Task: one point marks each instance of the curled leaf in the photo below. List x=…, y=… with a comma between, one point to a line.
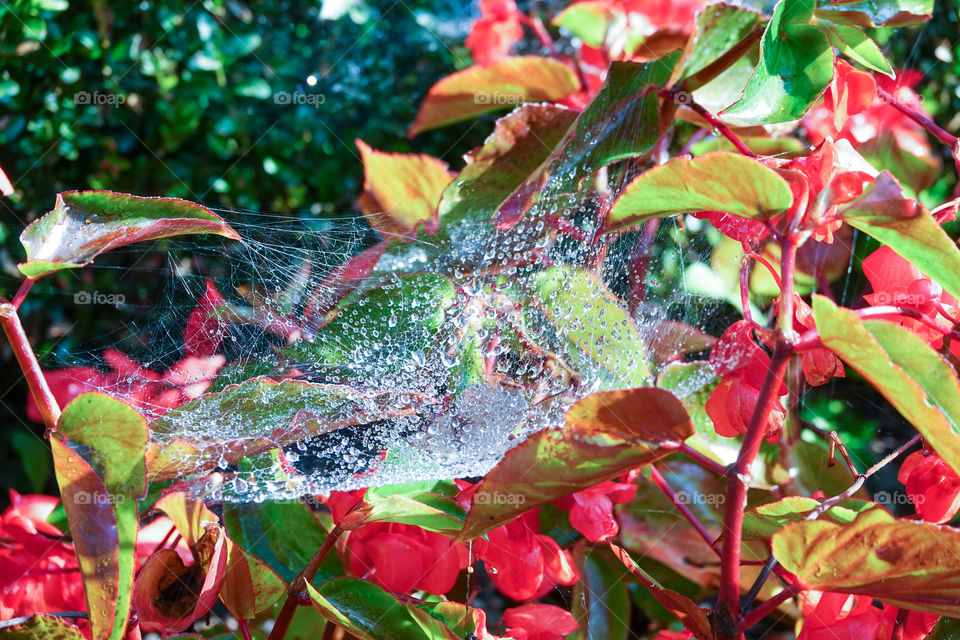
x=84, y=224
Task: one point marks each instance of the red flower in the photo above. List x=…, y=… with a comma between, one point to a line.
x=38, y=571
x=539, y=622
x=819, y=365
x=828, y=616
x=495, y=32
x=896, y=281
x=591, y=510
x=851, y=91
x=932, y=486
x=820, y=187
x=403, y=557
x=524, y=564
x=341, y=502
x=743, y=365
x=865, y=125
x=143, y=389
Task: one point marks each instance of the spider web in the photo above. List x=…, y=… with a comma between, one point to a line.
x=446, y=356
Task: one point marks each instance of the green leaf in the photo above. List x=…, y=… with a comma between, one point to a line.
x=370, y=613
x=856, y=45
x=399, y=318
x=760, y=523
x=284, y=534
x=913, y=377
x=519, y=143
x=104, y=530
x=605, y=435
x=719, y=26
x=401, y=191
x=621, y=121
x=796, y=65
x=906, y=227
x=114, y=437
x=261, y=415
x=101, y=472
x=506, y=83
x=84, y=224
x=601, y=603
x=589, y=21
x=695, y=619
x=717, y=181
x=908, y=564
x=597, y=333
x=876, y=13
x=430, y=511
x=40, y=627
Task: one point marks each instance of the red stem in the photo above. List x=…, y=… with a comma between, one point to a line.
x=728, y=600
x=22, y=292
x=922, y=119
x=702, y=460
x=675, y=94
x=37, y=383
x=769, y=606
x=681, y=506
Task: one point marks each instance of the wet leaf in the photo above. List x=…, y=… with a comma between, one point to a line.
x=466, y=94
x=599, y=335
x=718, y=27
x=247, y=411
x=370, y=613
x=908, y=564
x=874, y=13
x=84, y=224
x=400, y=318
x=606, y=434
x=796, y=65
x=913, y=377
x=42, y=627
x=588, y=20
x=694, y=618
x=717, y=181
x=401, y=191
x=622, y=120
x=519, y=143
x=905, y=226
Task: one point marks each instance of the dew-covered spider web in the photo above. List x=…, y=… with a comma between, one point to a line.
x=347, y=357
